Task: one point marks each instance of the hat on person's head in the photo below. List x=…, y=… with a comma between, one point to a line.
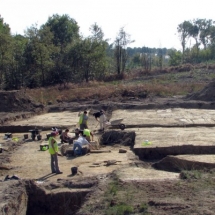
x=54, y=133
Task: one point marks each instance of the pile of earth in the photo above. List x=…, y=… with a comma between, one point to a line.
x=118, y=137
x=18, y=101
x=7, y=148
x=207, y=94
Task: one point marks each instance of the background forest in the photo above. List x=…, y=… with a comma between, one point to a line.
x=56, y=53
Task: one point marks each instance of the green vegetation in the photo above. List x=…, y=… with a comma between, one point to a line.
x=194, y=174
x=57, y=54
x=194, y=194
x=120, y=201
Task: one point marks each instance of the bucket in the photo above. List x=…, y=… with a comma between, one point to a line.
x=74, y=170
x=25, y=136
x=44, y=147
x=39, y=137
x=8, y=135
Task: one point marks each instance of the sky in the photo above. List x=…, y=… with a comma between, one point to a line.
x=151, y=23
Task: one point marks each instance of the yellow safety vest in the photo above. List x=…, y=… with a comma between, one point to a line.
x=51, y=150
x=87, y=132
x=81, y=118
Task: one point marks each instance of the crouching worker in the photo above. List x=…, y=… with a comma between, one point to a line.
x=88, y=134
x=81, y=141
x=65, y=137
x=53, y=150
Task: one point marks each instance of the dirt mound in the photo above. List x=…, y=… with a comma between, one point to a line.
x=119, y=137
x=14, y=200
x=207, y=94
x=17, y=101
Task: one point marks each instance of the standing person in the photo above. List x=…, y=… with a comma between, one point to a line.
x=83, y=118
x=81, y=141
x=88, y=134
x=53, y=150
x=101, y=118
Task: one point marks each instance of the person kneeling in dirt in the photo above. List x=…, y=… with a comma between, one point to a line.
x=81, y=141
x=65, y=137
x=53, y=150
x=101, y=118
x=88, y=134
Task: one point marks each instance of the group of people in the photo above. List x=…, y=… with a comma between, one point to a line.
x=99, y=116
x=82, y=137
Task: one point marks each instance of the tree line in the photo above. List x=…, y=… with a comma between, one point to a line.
x=197, y=39
x=56, y=53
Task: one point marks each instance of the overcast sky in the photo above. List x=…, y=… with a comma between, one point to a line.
x=151, y=23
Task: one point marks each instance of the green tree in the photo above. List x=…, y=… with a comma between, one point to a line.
x=175, y=57
x=64, y=28
x=204, y=28
x=121, y=42
x=88, y=56
x=66, y=33
x=184, y=30
x=5, y=50
x=15, y=77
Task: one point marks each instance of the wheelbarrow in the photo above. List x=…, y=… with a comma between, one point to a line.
x=116, y=124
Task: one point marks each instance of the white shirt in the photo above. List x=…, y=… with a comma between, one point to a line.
x=81, y=141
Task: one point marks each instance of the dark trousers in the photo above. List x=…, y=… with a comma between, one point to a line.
x=54, y=164
x=83, y=126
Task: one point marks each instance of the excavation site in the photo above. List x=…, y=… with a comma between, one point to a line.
x=146, y=151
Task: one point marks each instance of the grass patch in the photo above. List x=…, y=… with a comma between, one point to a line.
x=121, y=209
x=140, y=85
x=53, y=95
x=193, y=174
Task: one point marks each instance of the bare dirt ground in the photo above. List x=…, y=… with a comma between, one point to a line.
x=128, y=186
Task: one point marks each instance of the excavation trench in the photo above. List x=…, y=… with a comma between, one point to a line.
x=53, y=198
x=25, y=128
x=161, y=152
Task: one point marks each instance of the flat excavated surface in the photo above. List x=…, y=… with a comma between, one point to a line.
x=29, y=162
x=173, y=116
x=66, y=118
x=163, y=137
x=142, y=174
x=176, y=116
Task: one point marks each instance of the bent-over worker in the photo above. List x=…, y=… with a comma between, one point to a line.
x=88, y=134
x=101, y=118
x=81, y=141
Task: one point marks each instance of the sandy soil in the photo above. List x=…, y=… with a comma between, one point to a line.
x=163, y=192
